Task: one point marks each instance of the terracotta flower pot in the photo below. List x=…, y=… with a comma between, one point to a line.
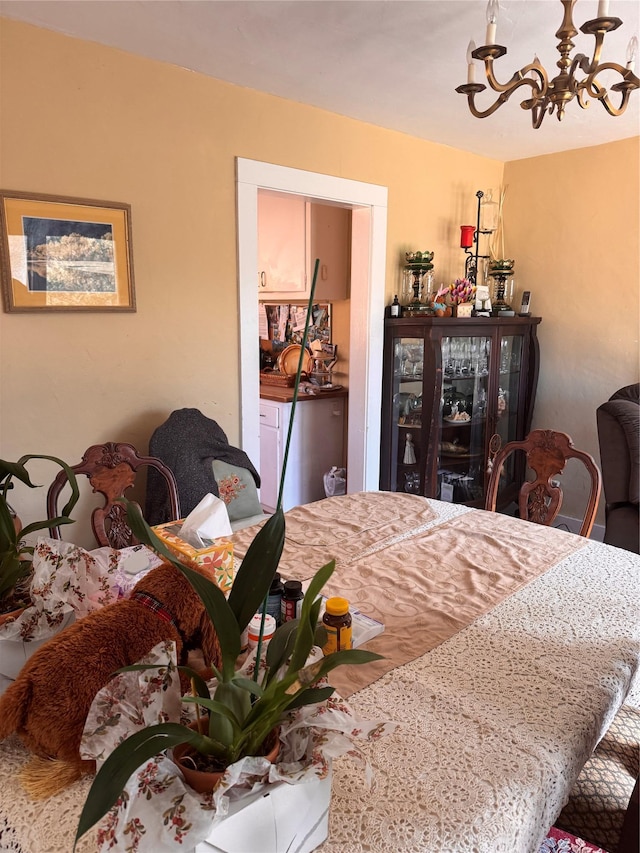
x=204, y=781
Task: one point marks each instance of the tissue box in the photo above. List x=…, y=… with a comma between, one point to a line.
x=276, y=819
x=217, y=555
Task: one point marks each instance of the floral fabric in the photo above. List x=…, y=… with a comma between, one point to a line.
x=67, y=579
x=157, y=811
x=559, y=841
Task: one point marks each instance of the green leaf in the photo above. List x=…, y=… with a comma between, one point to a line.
x=306, y=632
x=247, y=684
x=71, y=477
x=280, y=648
x=17, y=470
x=216, y=708
x=310, y=696
x=346, y=656
x=253, y=578
x=125, y=759
x=196, y=680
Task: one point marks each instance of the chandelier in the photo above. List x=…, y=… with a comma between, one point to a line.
x=547, y=95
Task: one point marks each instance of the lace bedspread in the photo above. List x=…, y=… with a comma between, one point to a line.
x=495, y=723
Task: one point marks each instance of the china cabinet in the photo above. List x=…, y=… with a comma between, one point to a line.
x=454, y=391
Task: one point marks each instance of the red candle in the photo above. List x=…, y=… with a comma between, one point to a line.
x=466, y=236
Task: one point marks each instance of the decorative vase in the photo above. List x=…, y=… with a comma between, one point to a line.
x=204, y=781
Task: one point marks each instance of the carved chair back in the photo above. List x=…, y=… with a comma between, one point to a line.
x=540, y=500
x=112, y=470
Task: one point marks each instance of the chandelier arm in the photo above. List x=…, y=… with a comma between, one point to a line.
x=598, y=28
x=582, y=62
x=597, y=50
x=471, y=96
x=518, y=79
x=539, y=110
x=628, y=77
x=595, y=90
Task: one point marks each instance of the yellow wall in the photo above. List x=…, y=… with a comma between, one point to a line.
x=572, y=223
x=78, y=119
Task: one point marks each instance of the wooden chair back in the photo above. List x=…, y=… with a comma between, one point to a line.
x=112, y=470
x=547, y=453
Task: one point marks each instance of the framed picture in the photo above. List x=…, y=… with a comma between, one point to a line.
x=65, y=254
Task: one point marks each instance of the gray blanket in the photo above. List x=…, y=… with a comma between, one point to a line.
x=188, y=442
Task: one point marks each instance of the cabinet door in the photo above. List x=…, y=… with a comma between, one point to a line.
x=270, y=455
x=462, y=421
x=508, y=417
x=406, y=446
x=281, y=245
x=331, y=245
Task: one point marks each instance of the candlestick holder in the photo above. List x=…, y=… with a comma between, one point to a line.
x=472, y=251
x=500, y=271
x=419, y=266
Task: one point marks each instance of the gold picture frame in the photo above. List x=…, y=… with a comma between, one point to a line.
x=65, y=254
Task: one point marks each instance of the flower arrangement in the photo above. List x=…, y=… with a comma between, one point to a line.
x=461, y=291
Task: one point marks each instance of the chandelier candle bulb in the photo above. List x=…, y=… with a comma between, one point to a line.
x=492, y=21
x=603, y=8
x=471, y=68
x=632, y=52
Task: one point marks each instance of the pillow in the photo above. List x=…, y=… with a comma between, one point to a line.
x=237, y=489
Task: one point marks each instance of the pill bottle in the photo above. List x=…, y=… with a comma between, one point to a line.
x=274, y=599
x=291, y=600
x=253, y=631
x=337, y=621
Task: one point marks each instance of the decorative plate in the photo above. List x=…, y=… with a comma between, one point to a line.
x=289, y=358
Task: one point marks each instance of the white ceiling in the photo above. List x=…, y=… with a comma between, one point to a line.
x=393, y=63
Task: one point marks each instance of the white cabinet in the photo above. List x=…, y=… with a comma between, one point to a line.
x=292, y=233
x=282, y=245
x=317, y=443
x=330, y=242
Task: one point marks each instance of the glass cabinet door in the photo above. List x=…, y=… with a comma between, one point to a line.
x=464, y=407
x=507, y=404
x=406, y=430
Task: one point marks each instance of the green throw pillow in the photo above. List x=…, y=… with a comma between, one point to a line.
x=237, y=489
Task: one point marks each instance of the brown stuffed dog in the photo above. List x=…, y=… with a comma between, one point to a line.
x=48, y=703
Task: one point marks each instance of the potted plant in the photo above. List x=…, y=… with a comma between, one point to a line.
x=15, y=553
x=242, y=712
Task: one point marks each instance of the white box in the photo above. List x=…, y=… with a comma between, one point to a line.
x=280, y=818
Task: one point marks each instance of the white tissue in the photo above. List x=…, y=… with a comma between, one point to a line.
x=209, y=520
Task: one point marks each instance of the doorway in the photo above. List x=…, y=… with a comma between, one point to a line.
x=368, y=203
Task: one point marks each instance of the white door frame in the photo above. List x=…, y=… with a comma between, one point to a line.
x=369, y=236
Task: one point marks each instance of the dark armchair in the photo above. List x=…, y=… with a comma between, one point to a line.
x=619, y=437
